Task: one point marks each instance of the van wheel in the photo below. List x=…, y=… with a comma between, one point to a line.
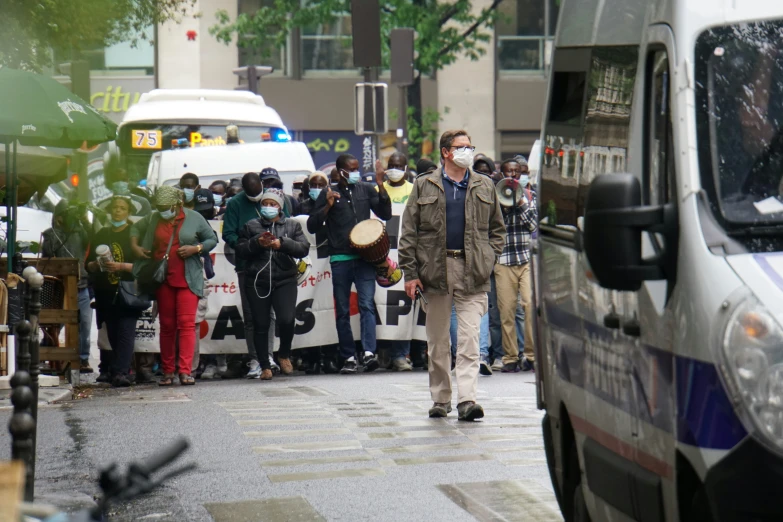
x=575, y=506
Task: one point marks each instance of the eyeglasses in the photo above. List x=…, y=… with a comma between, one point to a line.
x=464, y=149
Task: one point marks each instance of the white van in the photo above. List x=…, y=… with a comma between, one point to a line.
x=658, y=274
x=230, y=161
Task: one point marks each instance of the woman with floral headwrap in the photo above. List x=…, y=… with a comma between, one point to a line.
x=189, y=235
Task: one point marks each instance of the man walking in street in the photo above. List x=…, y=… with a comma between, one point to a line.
x=456, y=208
x=512, y=274
x=339, y=209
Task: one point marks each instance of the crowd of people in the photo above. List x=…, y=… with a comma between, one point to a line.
x=463, y=253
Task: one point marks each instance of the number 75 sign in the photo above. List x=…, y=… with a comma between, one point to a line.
x=146, y=139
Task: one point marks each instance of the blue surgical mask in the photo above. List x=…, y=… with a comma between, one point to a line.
x=218, y=199
x=314, y=193
x=524, y=180
x=189, y=193
x=354, y=177
x=118, y=224
x=167, y=214
x=119, y=187
x=270, y=212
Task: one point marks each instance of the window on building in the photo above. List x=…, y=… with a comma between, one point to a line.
x=268, y=55
x=124, y=58
x=328, y=46
x=523, y=33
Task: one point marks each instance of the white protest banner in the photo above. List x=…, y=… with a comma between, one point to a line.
x=223, y=330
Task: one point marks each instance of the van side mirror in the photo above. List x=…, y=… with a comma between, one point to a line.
x=614, y=222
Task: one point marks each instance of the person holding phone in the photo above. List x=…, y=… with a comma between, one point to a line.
x=269, y=246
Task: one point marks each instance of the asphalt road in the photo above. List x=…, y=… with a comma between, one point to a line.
x=355, y=447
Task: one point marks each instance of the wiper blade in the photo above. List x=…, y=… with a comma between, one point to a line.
x=760, y=230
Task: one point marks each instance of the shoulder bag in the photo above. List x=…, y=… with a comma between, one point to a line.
x=130, y=297
x=153, y=273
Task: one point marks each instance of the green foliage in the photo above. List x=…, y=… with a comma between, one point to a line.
x=418, y=133
x=33, y=28
x=551, y=213
x=445, y=29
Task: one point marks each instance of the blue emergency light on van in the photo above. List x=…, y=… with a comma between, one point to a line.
x=280, y=135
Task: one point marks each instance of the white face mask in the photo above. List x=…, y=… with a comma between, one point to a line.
x=395, y=175
x=255, y=199
x=463, y=158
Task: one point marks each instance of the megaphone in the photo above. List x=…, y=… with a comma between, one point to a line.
x=509, y=192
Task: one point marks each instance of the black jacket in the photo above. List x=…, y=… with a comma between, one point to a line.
x=354, y=205
x=293, y=245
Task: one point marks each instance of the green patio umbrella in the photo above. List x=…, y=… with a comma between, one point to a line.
x=38, y=110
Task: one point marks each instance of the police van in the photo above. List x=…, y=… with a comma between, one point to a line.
x=658, y=270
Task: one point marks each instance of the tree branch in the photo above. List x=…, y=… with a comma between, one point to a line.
x=470, y=30
x=448, y=14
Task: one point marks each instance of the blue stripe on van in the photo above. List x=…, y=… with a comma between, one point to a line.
x=704, y=414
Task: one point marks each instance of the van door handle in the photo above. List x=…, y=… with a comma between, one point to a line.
x=612, y=320
x=632, y=328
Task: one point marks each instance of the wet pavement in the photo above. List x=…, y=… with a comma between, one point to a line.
x=302, y=448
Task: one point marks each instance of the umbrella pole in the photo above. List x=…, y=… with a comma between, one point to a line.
x=11, y=213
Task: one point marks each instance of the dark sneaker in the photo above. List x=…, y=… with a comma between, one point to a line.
x=510, y=368
x=453, y=363
x=120, y=381
x=469, y=411
x=484, y=368
x=439, y=410
x=370, y=362
x=85, y=367
x=401, y=364
x=528, y=365
x=349, y=366
x=103, y=377
x=144, y=376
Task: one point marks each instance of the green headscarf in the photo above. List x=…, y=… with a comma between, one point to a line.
x=168, y=196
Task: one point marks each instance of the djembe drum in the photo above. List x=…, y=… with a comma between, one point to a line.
x=370, y=240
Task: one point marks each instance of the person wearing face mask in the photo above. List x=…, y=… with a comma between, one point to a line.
x=218, y=189
x=243, y=208
x=512, y=274
x=397, y=185
x=189, y=235
x=270, y=246
x=189, y=184
x=338, y=209
x=315, y=183
x=120, y=321
x=270, y=178
x=120, y=186
x=452, y=235
x=68, y=238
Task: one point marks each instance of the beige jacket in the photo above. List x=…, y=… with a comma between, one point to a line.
x=422, y=245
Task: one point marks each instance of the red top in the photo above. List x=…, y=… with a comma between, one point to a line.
x=163, y=233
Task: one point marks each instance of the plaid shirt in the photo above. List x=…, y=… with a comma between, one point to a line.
x=521, y=222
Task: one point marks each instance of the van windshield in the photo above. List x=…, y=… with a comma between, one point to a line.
x=739, y=109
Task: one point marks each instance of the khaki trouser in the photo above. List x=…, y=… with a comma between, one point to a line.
x=513, y=285
x=470, y=309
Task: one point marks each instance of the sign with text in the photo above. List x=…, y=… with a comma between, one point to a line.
x=396, y=318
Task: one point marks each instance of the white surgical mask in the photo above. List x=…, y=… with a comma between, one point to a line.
x=463, y=158
x=167, y=214
x=189, y=193
x=218, y=198
x=395, y=175
x=353, y=177
x=255, y=199
x=524, y=180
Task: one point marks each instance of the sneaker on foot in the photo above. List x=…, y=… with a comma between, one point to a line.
x=273, y=364
x=222, y=364
x=144, y=376
x=439, y=410
x=103, y=377
x=510, y=368
x=349, y=366
x=120, y=381
x=484, y=368
x=266, y=375
x=528, y=365
x=469, y=411
x=85, y=367
x=498, y=364
x=370, y=362
x=401, y=364
x=286, y=367
x=209, y=372
x=255, y=370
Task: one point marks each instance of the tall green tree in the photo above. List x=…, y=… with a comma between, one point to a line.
x=445, y=30
x=32, y=29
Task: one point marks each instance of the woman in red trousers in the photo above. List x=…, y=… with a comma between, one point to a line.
x=183, y=235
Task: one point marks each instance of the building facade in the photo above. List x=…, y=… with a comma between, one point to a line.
x=499, y=98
